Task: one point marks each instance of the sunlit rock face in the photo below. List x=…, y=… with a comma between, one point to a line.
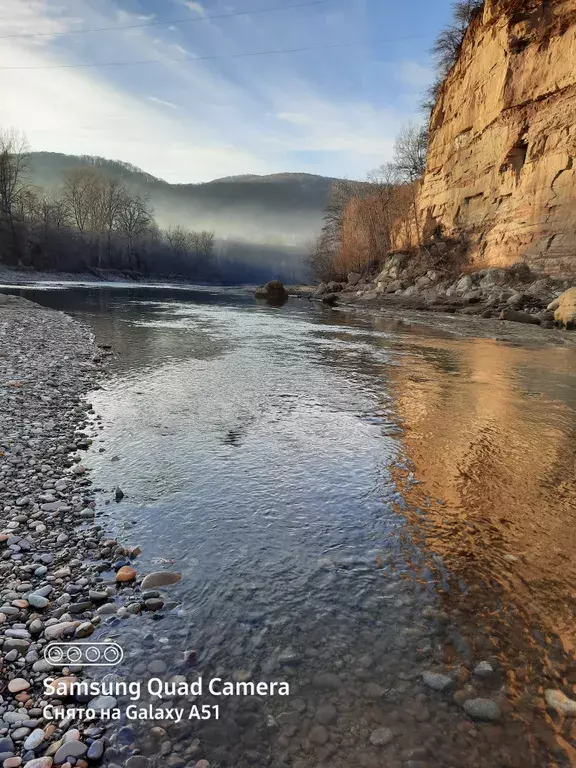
x=502, y=158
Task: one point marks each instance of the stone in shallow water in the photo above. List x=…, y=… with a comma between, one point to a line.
x=482, y=709
x=560, y=702
x=437, y=681
x=326, y=714
x=484, y=669
x=160, y=579
x=137, y=761
x=318, y=735
x=381, y=736
x=102, y=702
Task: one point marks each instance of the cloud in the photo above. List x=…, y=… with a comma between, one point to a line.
x=196, y=6
x=206, y=118
x=296, y=118
x=162, y=102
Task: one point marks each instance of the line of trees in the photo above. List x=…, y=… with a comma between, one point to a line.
x=91, y=222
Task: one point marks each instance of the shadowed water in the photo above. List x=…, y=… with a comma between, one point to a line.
x=351, y=502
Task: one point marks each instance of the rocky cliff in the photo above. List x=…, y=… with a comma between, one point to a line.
x=502, y=157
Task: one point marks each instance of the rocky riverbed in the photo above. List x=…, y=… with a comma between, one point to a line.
x=52, y=551
x=383, y=665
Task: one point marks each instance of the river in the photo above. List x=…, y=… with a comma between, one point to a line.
x=352, y=502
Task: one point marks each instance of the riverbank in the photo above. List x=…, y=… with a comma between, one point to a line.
x=52, y=550
x=399, y=317
x=18, y=277
x=506, y=304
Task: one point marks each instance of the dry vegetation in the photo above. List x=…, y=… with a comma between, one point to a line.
x=365, y=221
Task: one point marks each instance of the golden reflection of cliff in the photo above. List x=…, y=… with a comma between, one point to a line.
x=490, y=432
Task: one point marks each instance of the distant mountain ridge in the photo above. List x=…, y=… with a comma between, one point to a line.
x=283, y=208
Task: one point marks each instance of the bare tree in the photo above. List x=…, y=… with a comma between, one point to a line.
x=410, y=150
x=14, y=167
x=134, y=221
x=448, y=44
x=79, y=196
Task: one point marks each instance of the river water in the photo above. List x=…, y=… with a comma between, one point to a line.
x=351, y=502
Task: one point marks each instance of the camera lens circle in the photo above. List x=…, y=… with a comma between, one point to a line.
x=74, y=654
x=111, y=654
x=92, y=654
x=54, y=654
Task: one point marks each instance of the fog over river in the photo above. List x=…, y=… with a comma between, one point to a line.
x=352, y=503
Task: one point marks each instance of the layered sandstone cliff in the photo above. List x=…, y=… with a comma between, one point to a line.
x=502, y=157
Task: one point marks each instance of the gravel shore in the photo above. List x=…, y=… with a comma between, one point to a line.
x=52, y=553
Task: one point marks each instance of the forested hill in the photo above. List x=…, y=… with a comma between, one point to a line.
x=283, y=209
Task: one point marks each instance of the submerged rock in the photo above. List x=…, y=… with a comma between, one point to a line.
x=437, y=681
x=160, y=579
x=560, y=702
x=482, y=709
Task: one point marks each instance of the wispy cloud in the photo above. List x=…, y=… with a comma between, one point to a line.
x=314, y=112
x=195, y=6
x=162, y=102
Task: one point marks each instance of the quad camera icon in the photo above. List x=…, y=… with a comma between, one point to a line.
x=83, y=654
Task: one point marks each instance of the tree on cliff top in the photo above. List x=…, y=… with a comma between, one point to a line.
x=448, y=45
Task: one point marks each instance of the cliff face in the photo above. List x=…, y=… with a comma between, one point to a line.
x=502, y=157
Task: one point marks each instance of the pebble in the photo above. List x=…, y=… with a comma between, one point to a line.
x=381, y=736
x=437, y=681
x=95, y=750
x=126, y=573
x=34, y=739
x=73, y=749
x=483, y=669
x=18, y=684
x=482, y=709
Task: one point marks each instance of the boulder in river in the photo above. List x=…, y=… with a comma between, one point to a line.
x=273, y=291
x=160, y=579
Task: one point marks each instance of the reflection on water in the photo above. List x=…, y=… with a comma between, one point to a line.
x=351, y=502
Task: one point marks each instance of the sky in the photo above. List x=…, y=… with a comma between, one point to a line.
x=197, y=107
